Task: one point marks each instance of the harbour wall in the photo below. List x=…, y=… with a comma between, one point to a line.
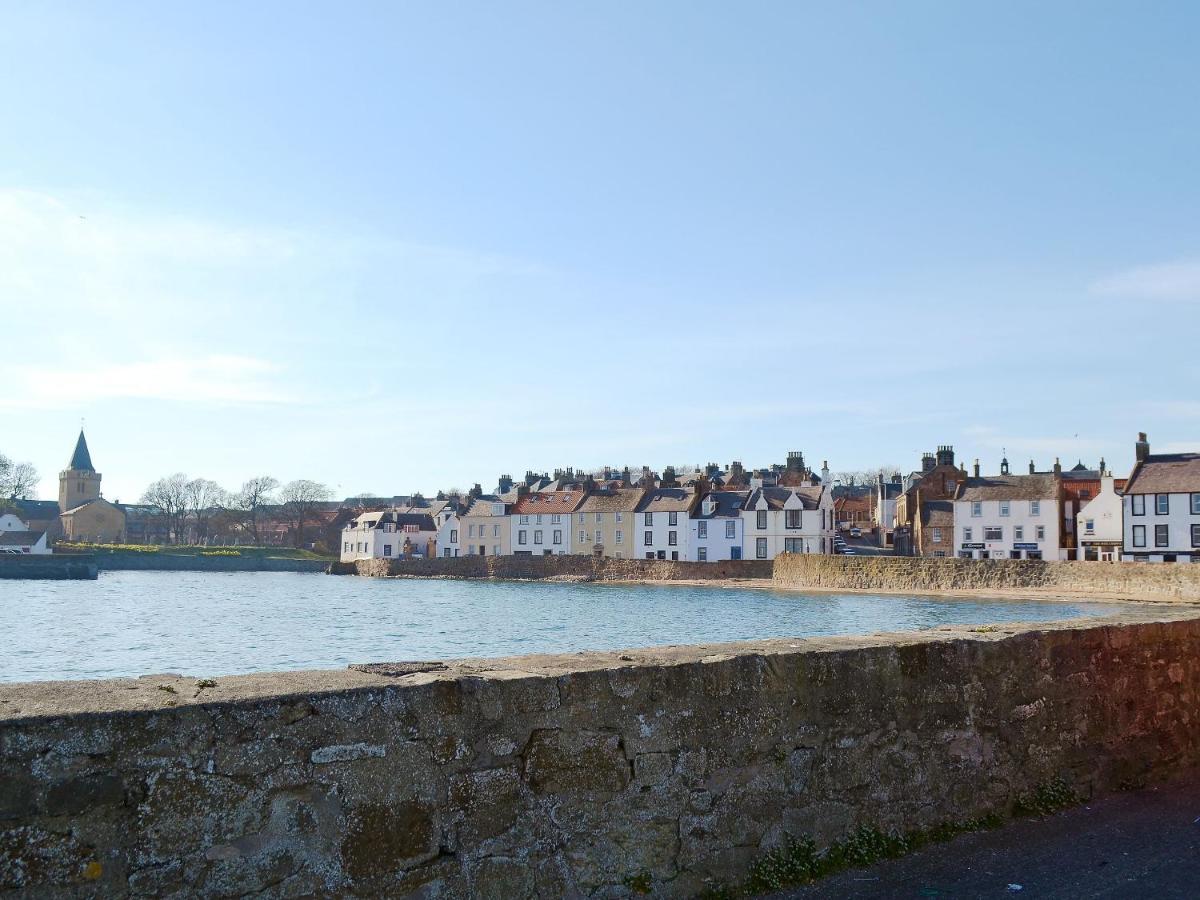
x=48, y=566
x=565, y=566
x=668, y=770
x=1169, y=582
x=165, y=561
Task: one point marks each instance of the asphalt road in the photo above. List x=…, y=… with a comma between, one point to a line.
x=1142, y=844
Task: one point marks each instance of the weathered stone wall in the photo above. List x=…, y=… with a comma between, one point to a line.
x=190, y=562
x=1139, y=581
x=48, y=566
x=570, y=776
x=578, y=567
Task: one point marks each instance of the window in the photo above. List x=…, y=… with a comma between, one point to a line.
x=582, y=518
x=701, y=529
x=1085, y=494
x=937, y=535
x=993, y=533
x=762, y=520
x=951, y=485
x=470, y=531
x=649, y=519
x=1139, y=504
x=524, y=520
x=495, y=531
x=522, y=536
x=537, y=520
x=537, y=537
x=582, y=536
x=495, y=549
x=599, y=537
x=939, y=552
x=649, y=542
x=1004, y=507
x=619, y=536
x=618, y=516
x=557, y=535
x=1162, y=504
x=1089, y=526
x=1018, y=532
x=702, y=554
x=791, y=518
x=760, y=548
x=555, y=519
x=1162, y=535
x=967, y=533
x=672, y=538
x=1196, y=535
x=976, y=508
x=387, y=549
x=1139, y=535
x=346, y=547
x=454, y=535
x=1041, y=532
x=672, y=518
x=731, y=530
x=793, y=545
x=599, y=518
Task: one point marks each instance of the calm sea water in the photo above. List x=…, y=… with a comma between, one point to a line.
x=135, y=623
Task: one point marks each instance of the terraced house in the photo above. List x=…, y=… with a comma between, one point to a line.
x=388, y=534
x=1162, y=507
x=662, y=522
x=777, y=519
x=540, y=523
x=1008, y=516
x=605, y=523
x=483, y=529
x=717, y=527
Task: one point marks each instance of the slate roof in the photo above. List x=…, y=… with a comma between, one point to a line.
x=1007, y=487
x=482, y=506
x=1166, y=473
x=939, y=513
x=552, y=502
x=20, y=538
x=37, y=510
x=617, y=500
x=666, y=500
x=776, y=497
x=81, y=459
x=423, y=521
x=729, y=504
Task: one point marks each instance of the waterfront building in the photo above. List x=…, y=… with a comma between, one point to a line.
x=1161, y=507
x=24, y=542
x=1008, y=516
x=606, y=519
x=1100, y=525
x=779, y=520
x=884, y=509
x=84, y=513
x=661, y=520
x=717, y=527
x=937, y=480
x=484, y=528
x=540, y=524
x=389, y=535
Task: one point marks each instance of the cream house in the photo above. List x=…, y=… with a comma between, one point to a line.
x=484, y=529
x=604, y=523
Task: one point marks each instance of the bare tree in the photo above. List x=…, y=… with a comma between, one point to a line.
x=204, y=499
x=863, y=477
x=300, y=501
x=250, y=500
x=170, y=494
x=18, y=481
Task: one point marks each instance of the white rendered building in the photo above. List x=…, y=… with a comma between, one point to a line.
x=716, y=527
x=1161, y=507
x=1007, y=517
x=778, y=519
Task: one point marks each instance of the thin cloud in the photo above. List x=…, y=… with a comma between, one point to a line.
x=1167, y=281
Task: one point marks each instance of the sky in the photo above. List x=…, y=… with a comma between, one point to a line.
x=397, y=247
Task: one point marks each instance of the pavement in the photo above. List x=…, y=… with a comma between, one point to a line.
x=1140, y=844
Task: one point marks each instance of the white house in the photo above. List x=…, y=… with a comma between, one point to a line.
x=662, y=523
x=1099, y=524
x=1161, y=507
x=24, y=542
x=777, y=519
x=884, y=513
x=540, y=524
x=10, y=522
x=716, y=527
x=1008, y=517
x=388, y=535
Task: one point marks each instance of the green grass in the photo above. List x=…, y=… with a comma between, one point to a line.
x=192, y=550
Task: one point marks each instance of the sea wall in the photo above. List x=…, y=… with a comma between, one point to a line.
x=48, y=566
x=1179, y=582
x=666, y=770
x=165, y=561
x=566, y=566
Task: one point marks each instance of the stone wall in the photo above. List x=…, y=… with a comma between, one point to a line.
x=574, y=567
x=118, y=560
x=48, y=566
x=591, y=774
x=1178, y=582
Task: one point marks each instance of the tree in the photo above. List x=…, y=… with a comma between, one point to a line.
x=300, y=499
x=254, y=495
x=204, y=499
x=17, y=480
x=170, y=495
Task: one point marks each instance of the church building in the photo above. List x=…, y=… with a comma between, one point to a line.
x=83, y=512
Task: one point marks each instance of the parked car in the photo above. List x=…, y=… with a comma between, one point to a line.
x=855, y=531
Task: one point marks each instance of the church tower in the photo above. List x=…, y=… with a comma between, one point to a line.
x=79, y=482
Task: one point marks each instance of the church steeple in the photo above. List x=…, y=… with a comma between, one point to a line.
x=81, y=460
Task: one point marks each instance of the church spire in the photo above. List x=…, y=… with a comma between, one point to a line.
x=81, y=460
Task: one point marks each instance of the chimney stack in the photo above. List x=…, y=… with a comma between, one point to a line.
x=927, y=462
x=976, y=468
x=1142, y=448
x=1057, y=466
x=1032, y=470
x=945, y=455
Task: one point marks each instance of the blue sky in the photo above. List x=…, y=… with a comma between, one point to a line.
x=395, y=248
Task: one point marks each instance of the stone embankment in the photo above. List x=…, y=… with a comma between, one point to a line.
x=1171, y=582
x=165, y=561
x=49, y=566
x=666, y=770
x=565, y=567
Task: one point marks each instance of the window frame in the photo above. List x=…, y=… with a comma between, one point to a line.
x=1162, y=535
x=760, y=548
x=1138, y=536
x=1137, y=504
x=1162, y=504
